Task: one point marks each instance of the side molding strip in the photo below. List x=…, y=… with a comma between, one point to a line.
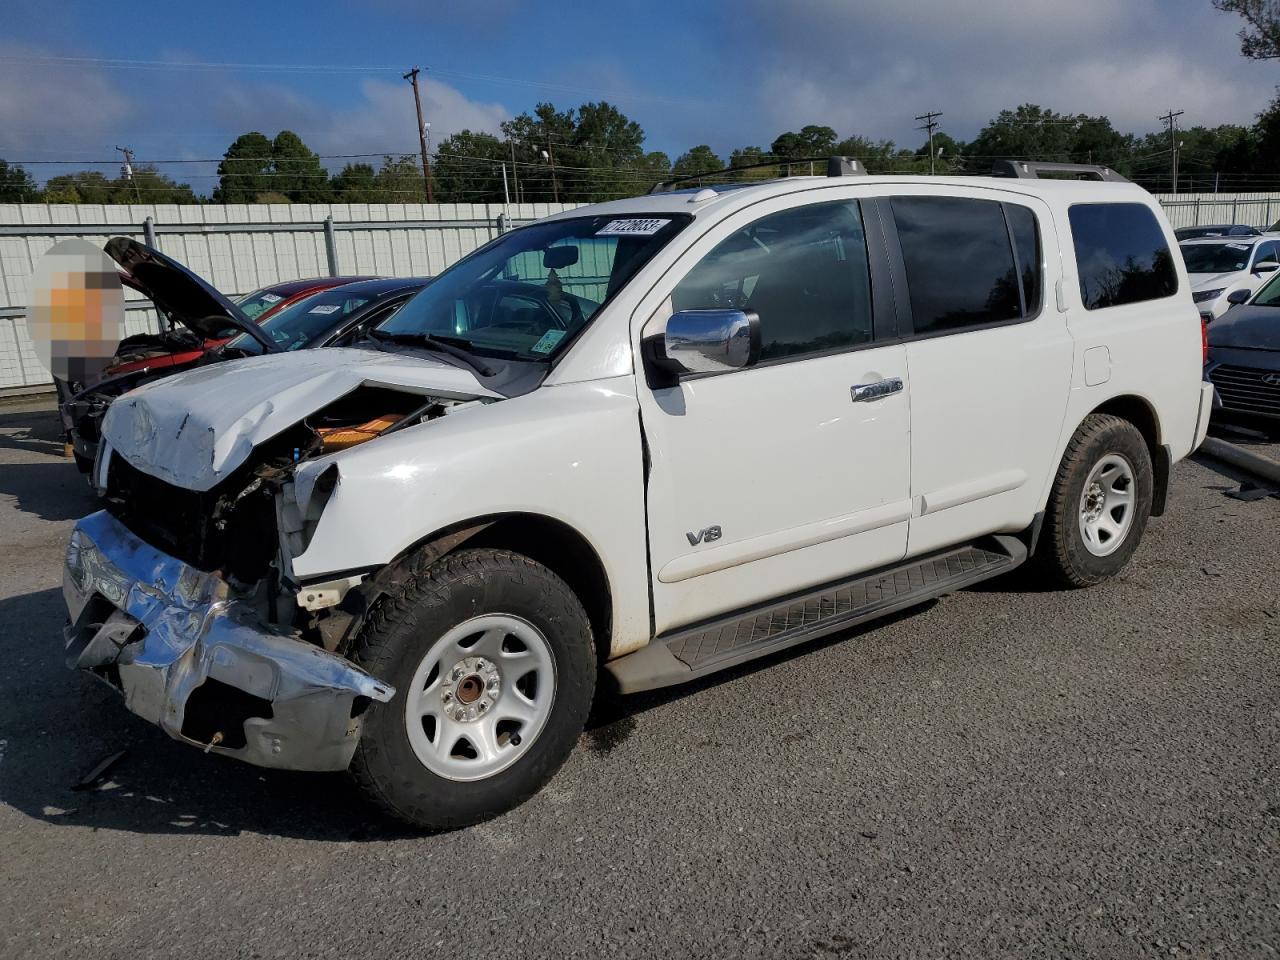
x=783, y=541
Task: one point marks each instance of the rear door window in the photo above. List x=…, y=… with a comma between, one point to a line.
x=959, y=260
x=1121, y=254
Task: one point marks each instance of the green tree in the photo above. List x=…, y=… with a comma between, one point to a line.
x=700, y=160
x=87, y=186
x=296, y=171
x=245, y=169
x=811, y=141
x=355, y=183
x=16, y=185
x=1031, y=132
x=1260, y=39
x=153, y=187
x=467, y=168
x=399, y=180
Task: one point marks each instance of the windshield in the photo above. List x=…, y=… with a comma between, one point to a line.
x=296, y=326
x=1269, y=295
x=255, y=304
x=1216, y=257
x=527, y=294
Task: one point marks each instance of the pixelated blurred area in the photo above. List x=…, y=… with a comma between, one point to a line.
x=76, y=311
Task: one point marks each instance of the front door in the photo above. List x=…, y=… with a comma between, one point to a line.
x=770, y=479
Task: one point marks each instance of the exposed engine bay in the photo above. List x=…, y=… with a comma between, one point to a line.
x=239, y=527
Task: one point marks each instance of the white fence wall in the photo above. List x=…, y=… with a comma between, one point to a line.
x=240, y=247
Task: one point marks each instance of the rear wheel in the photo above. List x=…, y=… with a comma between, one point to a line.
x=493, y=663
x=1099, y=504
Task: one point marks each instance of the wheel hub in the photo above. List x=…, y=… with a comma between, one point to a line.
x=473, y=687
x=1094, y=502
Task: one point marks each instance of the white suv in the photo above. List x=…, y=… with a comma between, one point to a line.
x=665, y=435
x=1220, y=267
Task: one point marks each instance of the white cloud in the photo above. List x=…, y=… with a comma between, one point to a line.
x=41, y=109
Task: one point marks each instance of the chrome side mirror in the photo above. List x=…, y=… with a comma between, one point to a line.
x=1267, y=266
x=708, y=341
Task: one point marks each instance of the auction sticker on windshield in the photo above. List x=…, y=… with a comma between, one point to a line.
x=548, y=341
x=271, y=298
x=632, y=228
x=325, y=308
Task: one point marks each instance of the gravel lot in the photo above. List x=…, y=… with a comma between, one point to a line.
x=1005, y=772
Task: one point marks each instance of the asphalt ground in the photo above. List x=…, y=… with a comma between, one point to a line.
x=1006, y=772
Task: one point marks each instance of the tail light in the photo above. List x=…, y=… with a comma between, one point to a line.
x=1204, y=339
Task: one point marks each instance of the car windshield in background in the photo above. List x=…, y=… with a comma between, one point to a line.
x=1216, y=257
x=257, y=303
x=527, y=294
x=1269, y=295
x=296, y=326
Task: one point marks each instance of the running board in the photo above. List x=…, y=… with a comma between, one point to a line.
x=746, y=634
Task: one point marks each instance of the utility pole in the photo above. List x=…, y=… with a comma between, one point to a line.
x=551, y=159
x=412, y=77
x=515, y=172
x=1171, y=118
x=930, y=123
x=126, y=168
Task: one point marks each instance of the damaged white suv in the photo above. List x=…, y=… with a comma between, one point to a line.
x=663, y=435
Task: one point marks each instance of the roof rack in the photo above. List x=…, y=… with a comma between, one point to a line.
x=836, y=167
x=1032, y=170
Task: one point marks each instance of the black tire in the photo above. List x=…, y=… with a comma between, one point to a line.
x=398, y=635
x=1061, y=553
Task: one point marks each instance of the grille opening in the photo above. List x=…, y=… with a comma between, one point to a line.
x=217, y=707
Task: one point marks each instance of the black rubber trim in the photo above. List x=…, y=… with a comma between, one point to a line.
x=1161, y=470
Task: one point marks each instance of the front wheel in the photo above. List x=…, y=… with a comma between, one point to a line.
x=493, y=663
x=1099, y=504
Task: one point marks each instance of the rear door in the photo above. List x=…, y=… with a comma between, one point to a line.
x=989, y=354
x=769, y=479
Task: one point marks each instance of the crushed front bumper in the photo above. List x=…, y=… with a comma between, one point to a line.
x=199, y=664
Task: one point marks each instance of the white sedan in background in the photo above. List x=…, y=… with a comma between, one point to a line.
x=1220, y=266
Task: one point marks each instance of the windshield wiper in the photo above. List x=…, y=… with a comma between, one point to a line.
x=433, y=343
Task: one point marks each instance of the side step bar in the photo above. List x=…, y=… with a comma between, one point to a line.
x=746, y=634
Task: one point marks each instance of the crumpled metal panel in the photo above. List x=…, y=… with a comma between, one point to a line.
x=196, y=427
x=172, y=627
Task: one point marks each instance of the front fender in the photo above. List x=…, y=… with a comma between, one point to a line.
x=571, y=452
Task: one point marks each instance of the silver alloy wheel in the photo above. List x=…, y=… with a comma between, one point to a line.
x=1107, y=505
x=480, y=697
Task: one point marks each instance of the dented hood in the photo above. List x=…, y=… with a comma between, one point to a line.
x=193, y=429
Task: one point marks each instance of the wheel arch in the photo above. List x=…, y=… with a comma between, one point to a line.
x=1139, y=411
x=555, y=544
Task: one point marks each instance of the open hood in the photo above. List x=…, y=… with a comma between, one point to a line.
x=187, y=298
x=1248, y=328
x=193, y=429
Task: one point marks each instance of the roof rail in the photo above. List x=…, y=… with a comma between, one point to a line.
x=835, y=166
x=1033, y=169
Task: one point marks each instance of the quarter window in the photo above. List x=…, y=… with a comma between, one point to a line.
x=959, y=262
x=1121, y=254
x=804, y=271
x=1026, y=243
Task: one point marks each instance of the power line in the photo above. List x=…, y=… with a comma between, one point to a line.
x=930, y=123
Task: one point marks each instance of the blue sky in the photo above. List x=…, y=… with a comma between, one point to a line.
x=723, y=73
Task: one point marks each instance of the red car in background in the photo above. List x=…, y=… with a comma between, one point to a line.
x=149, y=353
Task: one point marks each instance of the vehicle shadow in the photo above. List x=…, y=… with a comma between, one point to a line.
x=48, y=490
x=38, y=431
x=613, y=715
x=59, y=724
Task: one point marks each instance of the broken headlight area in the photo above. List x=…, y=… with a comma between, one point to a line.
x=248, y=526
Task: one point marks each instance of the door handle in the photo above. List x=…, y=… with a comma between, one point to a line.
x=869, y=392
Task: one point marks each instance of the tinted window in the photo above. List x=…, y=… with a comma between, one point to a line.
x=1227, y=257
x=1026, y=241
x=804, y=271
x=1121, y=254
x=1266, y=253
x=959, y=262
